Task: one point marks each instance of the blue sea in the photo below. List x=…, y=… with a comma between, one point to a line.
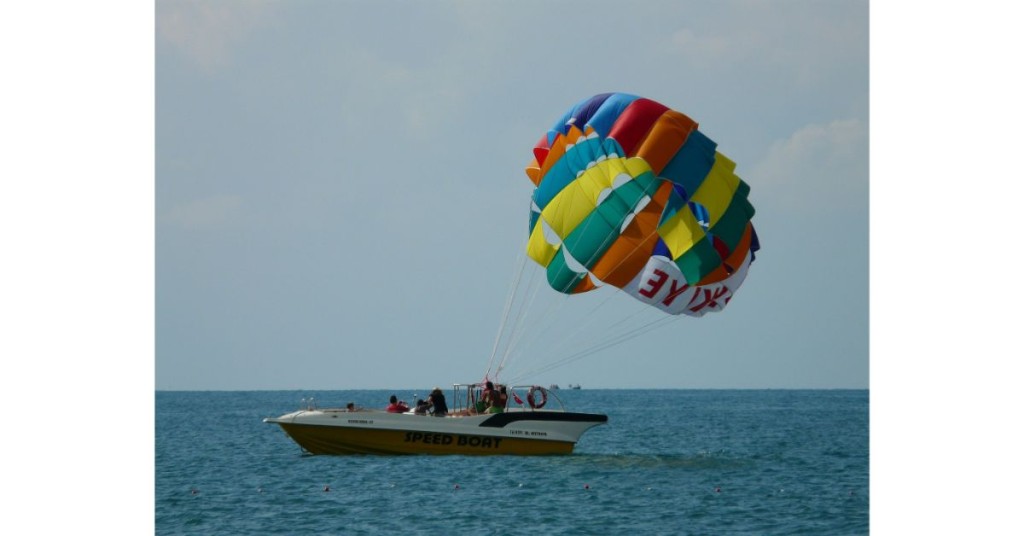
x=668, y=462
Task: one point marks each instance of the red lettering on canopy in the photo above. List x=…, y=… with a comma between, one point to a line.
x=674, y=293
x=708, y=298
x=655, y=284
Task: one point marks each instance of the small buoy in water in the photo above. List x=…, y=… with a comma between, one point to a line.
x=520, y=484
x=456, y=486
x=195, y=491
x=327, y=488
x=259, y=490
x=586, y=486
x=718, y=490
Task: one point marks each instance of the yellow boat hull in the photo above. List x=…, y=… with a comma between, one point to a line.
x=376, y=432
x=338, y=440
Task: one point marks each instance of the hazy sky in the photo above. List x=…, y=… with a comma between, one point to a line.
x=340, y=199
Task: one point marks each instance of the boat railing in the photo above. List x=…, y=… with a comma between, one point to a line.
x=466, y=396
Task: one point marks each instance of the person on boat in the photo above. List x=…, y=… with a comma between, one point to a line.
x=397, y=406
x=421, y=407
x=499, y=397
x=437, y=403
x=487, y=397
x=502, y=398
x=351, y=406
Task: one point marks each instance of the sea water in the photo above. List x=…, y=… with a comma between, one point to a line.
x=667, y=462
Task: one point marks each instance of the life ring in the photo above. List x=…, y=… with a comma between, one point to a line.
x=543, y=397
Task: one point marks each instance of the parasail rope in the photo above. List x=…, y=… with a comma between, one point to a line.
x=508, y=305
x=522, y=314
x=540, y=322
x=603, y=345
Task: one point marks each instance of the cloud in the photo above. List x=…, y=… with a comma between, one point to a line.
x=819, y=162
x=205, y=213
x=803, y=44
x=208, y=32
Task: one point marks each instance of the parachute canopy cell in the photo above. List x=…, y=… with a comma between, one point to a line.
x=629, y=193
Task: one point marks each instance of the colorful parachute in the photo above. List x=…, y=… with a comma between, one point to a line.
x=629, y=193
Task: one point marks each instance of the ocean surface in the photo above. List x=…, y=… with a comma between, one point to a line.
x=668, y=462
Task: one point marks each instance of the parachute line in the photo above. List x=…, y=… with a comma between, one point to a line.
x=518, y=329
x=609, y=342
x=508, y=306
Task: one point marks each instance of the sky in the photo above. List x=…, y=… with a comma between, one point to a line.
x=341, y=202
x=306, y=195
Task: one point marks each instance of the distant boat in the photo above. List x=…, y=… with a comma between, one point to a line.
x=576, y=386
x=521, y=427
x=553, y=386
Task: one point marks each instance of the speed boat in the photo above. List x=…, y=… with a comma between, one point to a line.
x=540, y=425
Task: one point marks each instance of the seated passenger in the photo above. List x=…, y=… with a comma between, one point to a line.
x=498, y=400
x=486, y=398
x=397, y=406
x=422, y=407
x=502, y=397
x=437, y=403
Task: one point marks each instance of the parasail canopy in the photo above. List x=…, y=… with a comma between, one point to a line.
x=630, y=193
